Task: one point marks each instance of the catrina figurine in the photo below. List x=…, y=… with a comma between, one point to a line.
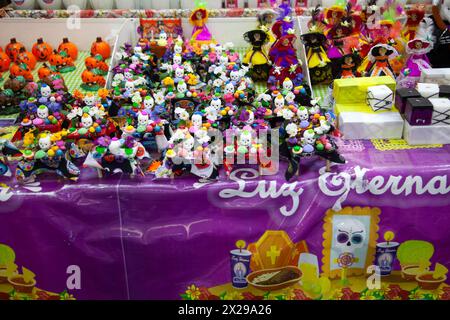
x=200, y=33
x=315, y=42
x=417, y=61
x=415, y=16
x=349, y=64
x=255, y=56
x=379, y=57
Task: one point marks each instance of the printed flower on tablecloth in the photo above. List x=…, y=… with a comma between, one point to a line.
x=297, y=294
x=396, y=293
x=444, y=293
x=192, y=293
x=232, y=295
x=346, y=294
x=371, y=295
x=250, y=296
x=66, y=296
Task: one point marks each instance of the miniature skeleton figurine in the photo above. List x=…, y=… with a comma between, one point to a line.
x=162, y=40
x=279, y=103
x=287, y=85
x=303, y=117
x=179, y=74
x=143, y=118
x=89, y=100
x=196, y=122
x=182, y=89
x=308, y=140
x=149, y=103
x=177, y=60
x=86, y=121
x=45, y=142
x=42, y=112
x=46, y=93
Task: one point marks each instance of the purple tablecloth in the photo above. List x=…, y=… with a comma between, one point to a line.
x=142, y=239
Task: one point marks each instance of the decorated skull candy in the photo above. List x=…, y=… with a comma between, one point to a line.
x=197, y=120
x=45, y=91
x=45, y=142
x=279, y=102
x=179, y=72
x=235, y=76
x=143, y=119
x=302, y=114
x=42, y=112
x=229, y=88
x=89, y=100
x=245, y=138
x=181, y=87
x=216, y=103
x=309, y=137
x=177, y=59
x=86, y=121
x=287, y=84
x=129, y=86
x=149, y=103
x=292, y=129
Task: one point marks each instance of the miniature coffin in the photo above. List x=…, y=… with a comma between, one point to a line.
x=418, y=111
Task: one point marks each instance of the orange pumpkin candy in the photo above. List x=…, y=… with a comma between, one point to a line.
x=102, y=48
x=5, y=61
x=90, y=62
x=26, y=57
x=21, y=70
x=70, y=48
x=13, y=48
x=41, y=50
x=55, y=59
x=44, y=72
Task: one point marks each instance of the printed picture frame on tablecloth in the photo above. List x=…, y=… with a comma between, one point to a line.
x=350, y=238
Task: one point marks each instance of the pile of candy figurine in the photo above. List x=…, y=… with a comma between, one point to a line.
x=194, y=106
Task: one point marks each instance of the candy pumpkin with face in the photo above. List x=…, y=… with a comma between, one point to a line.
x=42, y=50
x=91, y=81
x=26, y=57
x=13, y=48
x=21, y=69
x=102, y=48
x=55, y=59
x=70, y=48
x=44, y=71
x=5, y=61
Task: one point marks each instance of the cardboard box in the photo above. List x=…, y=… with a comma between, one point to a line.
x=354, y=90
x=435, y=134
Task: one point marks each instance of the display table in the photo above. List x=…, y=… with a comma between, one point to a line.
x=144, y=239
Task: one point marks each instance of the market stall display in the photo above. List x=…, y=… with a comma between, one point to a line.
x=268, y=117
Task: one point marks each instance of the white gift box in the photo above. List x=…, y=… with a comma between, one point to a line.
x=422, y=135
x=441, y=111
x=428, y=90
x=380, y=97
x=381, y=125
x=439, y=76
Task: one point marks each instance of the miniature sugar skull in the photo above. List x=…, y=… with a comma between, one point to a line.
x=290, y=97
x=181, y=87
x=302, y=114
x=135, y=59
x=143, y=118
x=223, y=59
x=177, y=49
x=89, y=100
x=287, y=84
x=350, y=235
x=279, y=102
x=162, y=40
x=287, y=114
x=309, y=137
x=323, y=128
x=197, y=120
x=216, y=103
x=211, y=113
x=188, y=143
x=86, y=121
x=219, y=49
x=292, y=129
x=181, y=114
x=129, y=86
x=42, y=112
x=115, y=146
x=128, y=74
x=179, y=72
x=235, y=76
x=149, y=103
x=45, y=142
x=45, y=91
x=177, y=59
x=245, y=138
x=229, y=88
